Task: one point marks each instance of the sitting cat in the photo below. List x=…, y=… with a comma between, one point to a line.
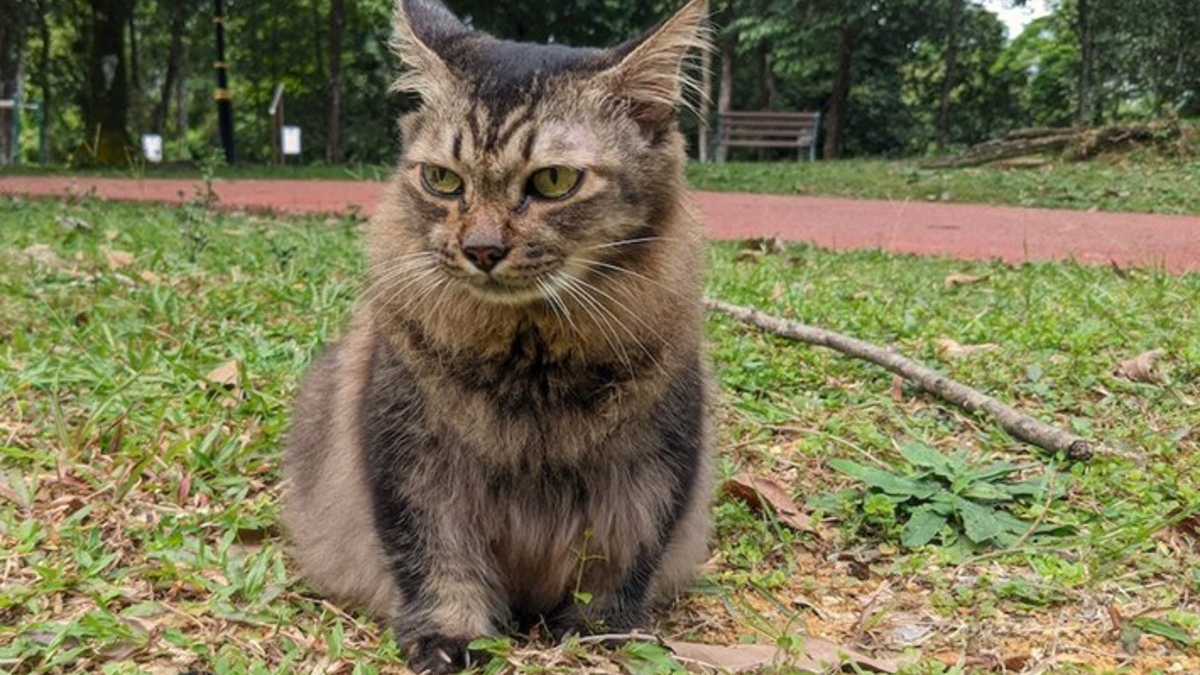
x=513, y=430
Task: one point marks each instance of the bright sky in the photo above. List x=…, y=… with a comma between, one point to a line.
x=1016, y=19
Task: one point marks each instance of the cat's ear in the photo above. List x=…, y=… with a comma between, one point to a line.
x=421, y=28
x=650, y=75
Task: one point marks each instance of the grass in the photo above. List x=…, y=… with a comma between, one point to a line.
x=138, y=481
x=1117, y=183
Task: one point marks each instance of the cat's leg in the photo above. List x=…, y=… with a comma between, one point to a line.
x=447, y=584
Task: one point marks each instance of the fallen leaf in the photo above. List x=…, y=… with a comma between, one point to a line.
x=749, y=255
x=761, y=494
x=43, y=255
x=149, y=277
x=765, y=244
x=950, y=348
x=225, y=375
x=810, y=654
x=778, y=291
x=117, y=259
x=955, y=280
x=897, y=388
x=1141, y=367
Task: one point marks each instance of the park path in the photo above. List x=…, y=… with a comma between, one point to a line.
x=965, y=231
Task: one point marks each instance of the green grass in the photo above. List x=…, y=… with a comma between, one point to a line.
x=1148, y=186
x=138, y=498
x=1120, y=184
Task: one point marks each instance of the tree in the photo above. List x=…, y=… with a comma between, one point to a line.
x=337, y=18
x=107, y=105
x=12, y=70
x=951, y=61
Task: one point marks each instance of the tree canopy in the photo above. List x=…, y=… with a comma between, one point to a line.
x=891, y=77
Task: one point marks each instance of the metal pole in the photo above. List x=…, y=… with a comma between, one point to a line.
x=222, y=95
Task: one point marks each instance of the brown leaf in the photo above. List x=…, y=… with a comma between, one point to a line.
x=43, y=255
x=950, y=348
x=117, y=259
x=761, y=494
x=897, y=388
x=765, y=244
x=955, y=280
x=749, y=255
x=1141, y=367
x=149, y=277
x=811, y=654
x=225, y=375
x=778, y=291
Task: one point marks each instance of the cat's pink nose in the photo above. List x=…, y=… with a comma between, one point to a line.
x=485, y=258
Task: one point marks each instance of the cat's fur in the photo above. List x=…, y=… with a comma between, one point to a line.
x=479, y=450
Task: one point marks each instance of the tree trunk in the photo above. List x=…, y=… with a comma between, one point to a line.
x=725, y=89
x=337, y=19
x=835, y=121
x=951, y=62
x=179, y=17
x=1085, y=27
x=704, y=105
x=12, y=71
x=107, y=109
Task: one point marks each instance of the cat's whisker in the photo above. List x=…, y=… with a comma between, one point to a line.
x=626, y=242
x=557, y=302
x=625, y=308
x=592, y=309
x=625, y=270
x=404, y=285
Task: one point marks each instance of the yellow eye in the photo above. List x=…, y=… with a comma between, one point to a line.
x=554, y=182
x=441, y=181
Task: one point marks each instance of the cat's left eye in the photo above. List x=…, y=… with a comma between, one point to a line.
x=441, y=181
x=554, y=182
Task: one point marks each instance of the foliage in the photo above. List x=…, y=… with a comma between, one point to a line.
x=784, y=56
x=946, y=496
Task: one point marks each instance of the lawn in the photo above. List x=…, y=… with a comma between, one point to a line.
x=148, y=356
x=1115, y=183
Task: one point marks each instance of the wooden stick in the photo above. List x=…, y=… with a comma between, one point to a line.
x=1018, y=424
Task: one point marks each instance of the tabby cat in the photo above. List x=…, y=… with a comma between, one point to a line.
x=513, y=430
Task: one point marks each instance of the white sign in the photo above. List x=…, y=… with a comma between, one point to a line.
x=291, y=140
x=152, y=148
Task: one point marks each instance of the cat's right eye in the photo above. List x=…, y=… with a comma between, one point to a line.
x=441, y=181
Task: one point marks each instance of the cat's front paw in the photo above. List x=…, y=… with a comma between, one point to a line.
x=439, y=655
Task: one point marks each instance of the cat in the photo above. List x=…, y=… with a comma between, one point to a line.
x=513, y=430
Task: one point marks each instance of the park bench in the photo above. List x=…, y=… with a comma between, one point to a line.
x=768, y=129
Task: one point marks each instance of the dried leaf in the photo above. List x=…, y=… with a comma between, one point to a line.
x=761, y=494
x=778, y=291
x=897, y=388
x=1141, y=367
x=43, y=255
x=749, y=255
x=811, y=654
x=225, y=375
x=149, y=277
x=118, y=259
x=955, y=280
x=950, y=348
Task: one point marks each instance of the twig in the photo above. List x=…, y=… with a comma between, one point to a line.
x=1018, y=424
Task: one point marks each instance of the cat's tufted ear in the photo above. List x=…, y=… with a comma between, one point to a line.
x=422, y=29
x=650, y=76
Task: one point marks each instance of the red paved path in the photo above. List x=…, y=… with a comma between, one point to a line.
x=959, y=230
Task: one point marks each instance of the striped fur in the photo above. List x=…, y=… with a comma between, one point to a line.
x=481, y=447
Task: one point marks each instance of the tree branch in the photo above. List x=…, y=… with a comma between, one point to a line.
x=1018, y=424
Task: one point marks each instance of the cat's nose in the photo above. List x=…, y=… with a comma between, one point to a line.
x=485, y=257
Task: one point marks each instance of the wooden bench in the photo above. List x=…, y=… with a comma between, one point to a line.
x=769, y=130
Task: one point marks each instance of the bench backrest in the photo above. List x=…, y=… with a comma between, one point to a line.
x=768, y=129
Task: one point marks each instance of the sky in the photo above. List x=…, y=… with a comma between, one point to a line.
x=1016, y=19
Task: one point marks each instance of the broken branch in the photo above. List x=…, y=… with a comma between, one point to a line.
x=1018, y=424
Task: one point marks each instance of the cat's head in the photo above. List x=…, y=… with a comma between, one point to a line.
x=527, y=166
